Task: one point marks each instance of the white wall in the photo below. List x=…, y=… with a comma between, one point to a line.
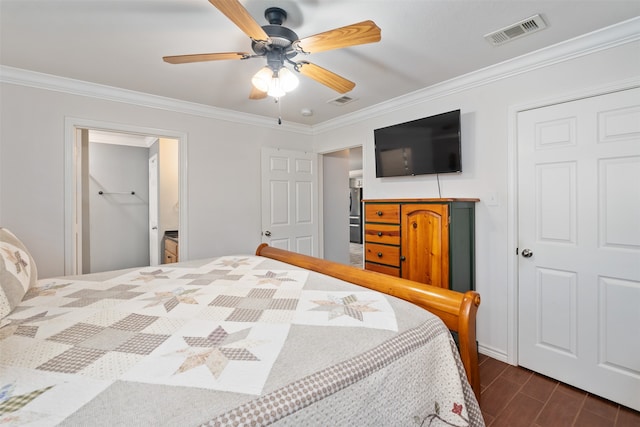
x=223, y=170
x=335, y=187
x=486, y=145
x=118, y=223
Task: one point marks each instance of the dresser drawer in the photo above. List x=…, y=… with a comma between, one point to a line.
x=169, y=258
x=171, y=246
x=382, y=233
x=382, y=254
x=374, y=212
x=384, y=269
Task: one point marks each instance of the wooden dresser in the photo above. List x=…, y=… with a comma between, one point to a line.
x=170, y=248
x=426, y=240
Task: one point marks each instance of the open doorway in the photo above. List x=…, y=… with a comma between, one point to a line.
x=342, y=212
x=356, y=214
x=129, y=200
x=124, y=189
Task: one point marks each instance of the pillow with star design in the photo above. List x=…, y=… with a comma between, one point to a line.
x=17, y=271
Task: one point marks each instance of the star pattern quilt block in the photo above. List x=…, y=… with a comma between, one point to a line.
x=220, y=326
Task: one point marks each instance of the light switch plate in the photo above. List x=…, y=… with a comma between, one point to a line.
x=492, y=199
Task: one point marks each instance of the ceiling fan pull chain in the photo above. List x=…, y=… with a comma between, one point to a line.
x=279, y=111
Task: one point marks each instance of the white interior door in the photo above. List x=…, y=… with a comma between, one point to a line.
x=154, y=250
x=579, y=243
x=290, y=200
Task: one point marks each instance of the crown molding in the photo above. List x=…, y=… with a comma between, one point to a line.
x=22, y=77
x=605, y=38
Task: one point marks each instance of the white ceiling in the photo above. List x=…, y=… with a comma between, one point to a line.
x=121, y=43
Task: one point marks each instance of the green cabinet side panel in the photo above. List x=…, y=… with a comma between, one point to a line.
x=462, y=246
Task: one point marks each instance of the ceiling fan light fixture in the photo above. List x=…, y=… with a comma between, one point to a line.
x=288, y=80
x=262, y=78
x=275, y=88
x=275, y=84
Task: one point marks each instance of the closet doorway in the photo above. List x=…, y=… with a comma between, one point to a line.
x=124, y=189
x=342, y=174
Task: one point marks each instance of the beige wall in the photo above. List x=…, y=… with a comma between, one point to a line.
x=488, y=123
x=223, y=170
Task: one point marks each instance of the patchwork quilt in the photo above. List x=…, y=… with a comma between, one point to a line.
x=235, y=340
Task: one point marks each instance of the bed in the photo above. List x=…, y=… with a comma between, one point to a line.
x=271, y=338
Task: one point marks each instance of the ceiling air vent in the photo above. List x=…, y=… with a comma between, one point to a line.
x=342, y=100
x=517, y=30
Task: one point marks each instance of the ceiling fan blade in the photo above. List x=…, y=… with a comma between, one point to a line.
x=257, y=94
x=233, y=10
x=201, y=57
x=351, y=35
x=326, y=77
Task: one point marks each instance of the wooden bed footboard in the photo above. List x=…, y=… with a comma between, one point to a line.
x=457, y=310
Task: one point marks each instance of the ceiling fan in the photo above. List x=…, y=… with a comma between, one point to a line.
x=279, y=45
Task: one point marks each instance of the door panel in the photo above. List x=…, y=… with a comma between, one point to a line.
x=579, y=219
x=616, y=208
x=616, y=351
x=556, y=299
x=279, y=209
x=556, y=206
x=304, y=203
x=425, y=243
x=289, y=200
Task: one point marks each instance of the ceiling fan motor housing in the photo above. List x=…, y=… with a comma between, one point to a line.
x=281, y=39
x=275, y=15
x=280, y=36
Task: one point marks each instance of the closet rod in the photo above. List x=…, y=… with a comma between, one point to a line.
x=116, y=192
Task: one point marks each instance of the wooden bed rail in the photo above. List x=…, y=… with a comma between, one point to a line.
x=457, y=310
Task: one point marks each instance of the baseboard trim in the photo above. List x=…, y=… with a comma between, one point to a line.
x=493, y=353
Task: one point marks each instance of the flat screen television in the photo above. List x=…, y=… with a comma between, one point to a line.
x=430, y=145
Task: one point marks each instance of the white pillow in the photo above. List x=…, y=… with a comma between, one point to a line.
x=17, y=271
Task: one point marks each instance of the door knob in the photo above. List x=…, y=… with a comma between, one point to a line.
x=527, y=253
x=267, y=233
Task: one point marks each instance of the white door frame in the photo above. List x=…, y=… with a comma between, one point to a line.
x=72, y=181
x=512, y=191
x=154, y=239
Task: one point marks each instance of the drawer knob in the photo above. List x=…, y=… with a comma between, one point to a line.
x=379, y=213
x=379, y=233
x=402, y=258
x=379, y=254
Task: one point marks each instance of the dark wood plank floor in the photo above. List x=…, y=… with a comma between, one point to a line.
x=514, y=396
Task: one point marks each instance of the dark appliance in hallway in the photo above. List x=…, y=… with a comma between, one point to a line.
x=355, y=215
